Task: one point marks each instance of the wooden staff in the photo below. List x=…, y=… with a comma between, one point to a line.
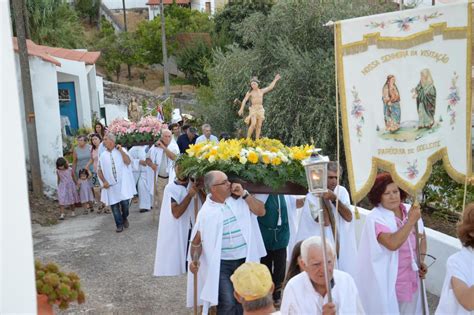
x=195, y=259
x=325, y=260
x=418, y=258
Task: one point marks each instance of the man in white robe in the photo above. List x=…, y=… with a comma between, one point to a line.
x=116, y=177
x=160, y=159
x=306, y=293
x=225, y=236
x=176, y=217
x=138, y=156
x=343, y=220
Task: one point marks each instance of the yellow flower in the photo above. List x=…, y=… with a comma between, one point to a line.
x=266, y=158
x=252, y=157
x=212, y=158
x=243, y=160
x=276, y=161
x=194, y=149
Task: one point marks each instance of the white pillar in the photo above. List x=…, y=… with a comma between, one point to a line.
x=17, y=278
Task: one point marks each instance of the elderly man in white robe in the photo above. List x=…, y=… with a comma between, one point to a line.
x=115, y=175
x=160, y=159
x=340, y=221
x=138, y=156
x=306, y=293
x=225, y=236
x=177, y=215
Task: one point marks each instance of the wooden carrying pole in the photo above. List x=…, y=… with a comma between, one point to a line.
x=325, y=259
x=195, y=296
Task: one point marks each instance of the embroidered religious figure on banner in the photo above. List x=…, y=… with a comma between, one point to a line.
x=425, y=95
x=391, y=104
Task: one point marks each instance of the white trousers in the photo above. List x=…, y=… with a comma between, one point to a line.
x=144, y=196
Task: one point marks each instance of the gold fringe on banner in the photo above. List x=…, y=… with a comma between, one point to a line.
x=448, y=33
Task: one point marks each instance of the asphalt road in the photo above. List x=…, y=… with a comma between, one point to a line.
x=115, y=268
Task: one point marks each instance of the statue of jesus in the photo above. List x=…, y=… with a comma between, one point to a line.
x=256, y=111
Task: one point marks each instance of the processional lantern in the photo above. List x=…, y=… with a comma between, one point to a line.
x=316, y=168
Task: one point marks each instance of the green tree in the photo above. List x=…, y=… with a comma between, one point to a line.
x=54, y=23
x=193, y=61
x=234, y=13
x=302, y=106
x=88, y=9
x=108, y=43
x=189, y=21
x=148, y=38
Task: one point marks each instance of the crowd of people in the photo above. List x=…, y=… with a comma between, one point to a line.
x=254, y=254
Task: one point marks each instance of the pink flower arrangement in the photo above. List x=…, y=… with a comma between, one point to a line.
x=148, y=129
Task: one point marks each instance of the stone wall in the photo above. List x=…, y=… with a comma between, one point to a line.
x=120, y=94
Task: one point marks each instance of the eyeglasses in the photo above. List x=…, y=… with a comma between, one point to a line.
x=223, y=183
x=432, y=259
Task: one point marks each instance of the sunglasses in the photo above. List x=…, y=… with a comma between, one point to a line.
x=223, y=183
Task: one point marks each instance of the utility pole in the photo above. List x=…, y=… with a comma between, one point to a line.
x=164, y=51
x=126, y=31
x=17, y=7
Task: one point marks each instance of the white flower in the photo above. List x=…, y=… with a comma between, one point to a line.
x=243, y=160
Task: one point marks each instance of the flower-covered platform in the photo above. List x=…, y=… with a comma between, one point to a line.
x=262, y=166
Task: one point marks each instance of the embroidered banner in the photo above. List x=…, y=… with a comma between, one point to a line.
x=405, y=86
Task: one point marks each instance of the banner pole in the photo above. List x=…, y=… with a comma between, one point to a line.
x=337, y=129
x=418, y=252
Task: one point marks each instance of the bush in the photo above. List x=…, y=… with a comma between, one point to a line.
x=443, y=193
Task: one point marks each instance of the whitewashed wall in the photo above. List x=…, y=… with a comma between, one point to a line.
x=76, y=72
x=113, y=111
x=17, y=277
x=153, y=11
x=129, y=4
x=100, y=89
x=48, y=123
x=200, y=5
x=440, y=246
x=93, y=93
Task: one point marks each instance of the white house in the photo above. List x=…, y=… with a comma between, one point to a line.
x=208, y=6
x=65, y=96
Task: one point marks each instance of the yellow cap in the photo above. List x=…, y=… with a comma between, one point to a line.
x=252, y=281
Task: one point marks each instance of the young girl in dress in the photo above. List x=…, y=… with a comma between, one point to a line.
x=67, y=193
x=84, y=186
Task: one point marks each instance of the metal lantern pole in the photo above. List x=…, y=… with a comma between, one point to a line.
x=325, y=256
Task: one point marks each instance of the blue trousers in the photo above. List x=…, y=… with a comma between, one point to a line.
x=227, y=304
x=120, y=212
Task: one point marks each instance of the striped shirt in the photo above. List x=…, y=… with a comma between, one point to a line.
x=233, y=242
